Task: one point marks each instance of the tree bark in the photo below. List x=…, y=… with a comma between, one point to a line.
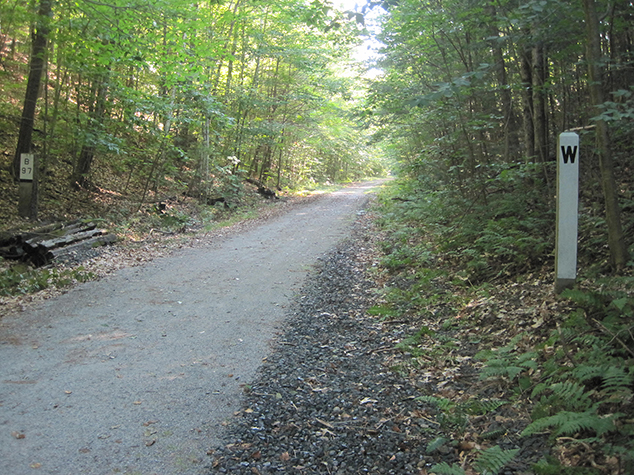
x=505, y=97
x=616, y=239
x=527, y=106
x=36, y=67
x=79, y=178
x=539, y=103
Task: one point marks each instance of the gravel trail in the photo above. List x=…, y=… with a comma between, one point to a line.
x=137, y=373
x=325, y=401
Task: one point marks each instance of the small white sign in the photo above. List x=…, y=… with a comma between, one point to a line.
x=567, y=209
x=27, y=164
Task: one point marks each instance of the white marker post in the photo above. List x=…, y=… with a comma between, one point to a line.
x=567, y=210
x=27, y=191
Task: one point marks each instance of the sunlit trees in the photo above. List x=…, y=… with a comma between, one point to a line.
x=37, y=63
x=161, y=93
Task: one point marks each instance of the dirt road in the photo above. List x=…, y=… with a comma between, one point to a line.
x=136, y=373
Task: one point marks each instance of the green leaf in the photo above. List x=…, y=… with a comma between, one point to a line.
x=445, y=469
x=494, y=459
x=436, y=444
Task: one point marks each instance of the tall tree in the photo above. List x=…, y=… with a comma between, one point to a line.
x=595, y=58
x=36, y=69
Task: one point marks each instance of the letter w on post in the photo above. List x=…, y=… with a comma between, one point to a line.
x=569, y=153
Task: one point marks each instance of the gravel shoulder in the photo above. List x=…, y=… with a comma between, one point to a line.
x=138, y=372
x=325, y=402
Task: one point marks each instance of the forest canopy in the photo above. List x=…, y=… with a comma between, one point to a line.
x=134, y=96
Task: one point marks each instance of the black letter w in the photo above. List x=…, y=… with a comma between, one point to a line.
x=569, y=153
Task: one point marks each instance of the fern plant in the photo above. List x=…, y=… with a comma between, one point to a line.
x=507, y=362
x=581, y=378
x=456, y=414
x=488, y=462
x=445, y=469
x=494, y=459
x=567, y=423
x=567, y=395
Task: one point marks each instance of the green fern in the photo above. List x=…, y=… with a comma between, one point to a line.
x=589, y=300
x=585, y=373
x=569, y=423
x=506, y=362
x=445, y=469
x=481, y=407
x=492, y=434
x=615, y=378
x=491, y=461
x=436, y=444
x=541, y=388
x=551, y=466
x=440, y=402
x=571, y=395
x=502, y=369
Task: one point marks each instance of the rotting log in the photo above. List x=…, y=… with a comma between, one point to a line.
x=41, y=246
x=91, y=243
x=9, y=238
x=70, y=238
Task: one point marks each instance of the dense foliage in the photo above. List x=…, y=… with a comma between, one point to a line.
x=179, y=95
x=473, y=98
x=192, y=97
x=553, y=383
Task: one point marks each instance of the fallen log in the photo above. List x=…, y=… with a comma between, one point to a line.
x=8, y=238
x=70, y=238
x=41, y=246
x=92, y=243
x=11, y=252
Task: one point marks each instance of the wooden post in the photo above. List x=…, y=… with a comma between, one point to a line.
x=28, y=189
x=567, y=210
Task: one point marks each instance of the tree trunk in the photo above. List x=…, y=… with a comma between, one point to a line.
x=204, y=161
x=505, y=97
x=36, y=67
x=160, y=155
x=616, y=240
x=527, y=106
x=84, y=161
x=539, y=103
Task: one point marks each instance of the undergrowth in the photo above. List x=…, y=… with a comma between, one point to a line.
x=474, y=276
x=22, y=279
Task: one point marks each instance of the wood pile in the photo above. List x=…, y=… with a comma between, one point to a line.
x=42, y=246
